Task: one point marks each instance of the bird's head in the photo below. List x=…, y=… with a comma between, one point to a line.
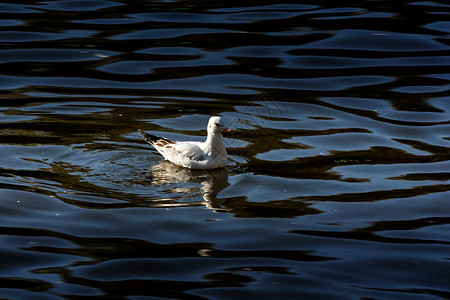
x=216, y=126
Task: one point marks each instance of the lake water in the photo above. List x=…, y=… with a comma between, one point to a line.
x=338, y=185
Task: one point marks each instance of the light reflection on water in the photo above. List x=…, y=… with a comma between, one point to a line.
x=337, y=185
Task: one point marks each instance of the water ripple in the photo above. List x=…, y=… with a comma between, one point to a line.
x=340, y=136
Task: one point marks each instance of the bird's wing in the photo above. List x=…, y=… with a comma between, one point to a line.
x=177, y=152
x=190, y=150
x=156, y=140
x=161, y=144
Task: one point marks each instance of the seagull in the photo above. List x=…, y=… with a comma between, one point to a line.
x=210, y=154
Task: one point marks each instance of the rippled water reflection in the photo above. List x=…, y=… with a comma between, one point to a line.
x=337, y=186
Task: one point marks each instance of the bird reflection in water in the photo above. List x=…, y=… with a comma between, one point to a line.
x=212, y=182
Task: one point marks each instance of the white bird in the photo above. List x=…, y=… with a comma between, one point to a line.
x=210, y=154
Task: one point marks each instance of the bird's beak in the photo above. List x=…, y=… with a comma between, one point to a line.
x=227, y=129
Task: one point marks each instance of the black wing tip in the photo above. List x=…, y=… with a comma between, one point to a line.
x=142, y=132
x=148, y=137
x=152, y=139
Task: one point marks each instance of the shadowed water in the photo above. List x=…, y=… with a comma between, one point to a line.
x=338, y=180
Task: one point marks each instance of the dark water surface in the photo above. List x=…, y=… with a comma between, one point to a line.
x=338, y=186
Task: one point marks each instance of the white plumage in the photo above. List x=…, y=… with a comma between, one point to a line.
x=210, y=154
